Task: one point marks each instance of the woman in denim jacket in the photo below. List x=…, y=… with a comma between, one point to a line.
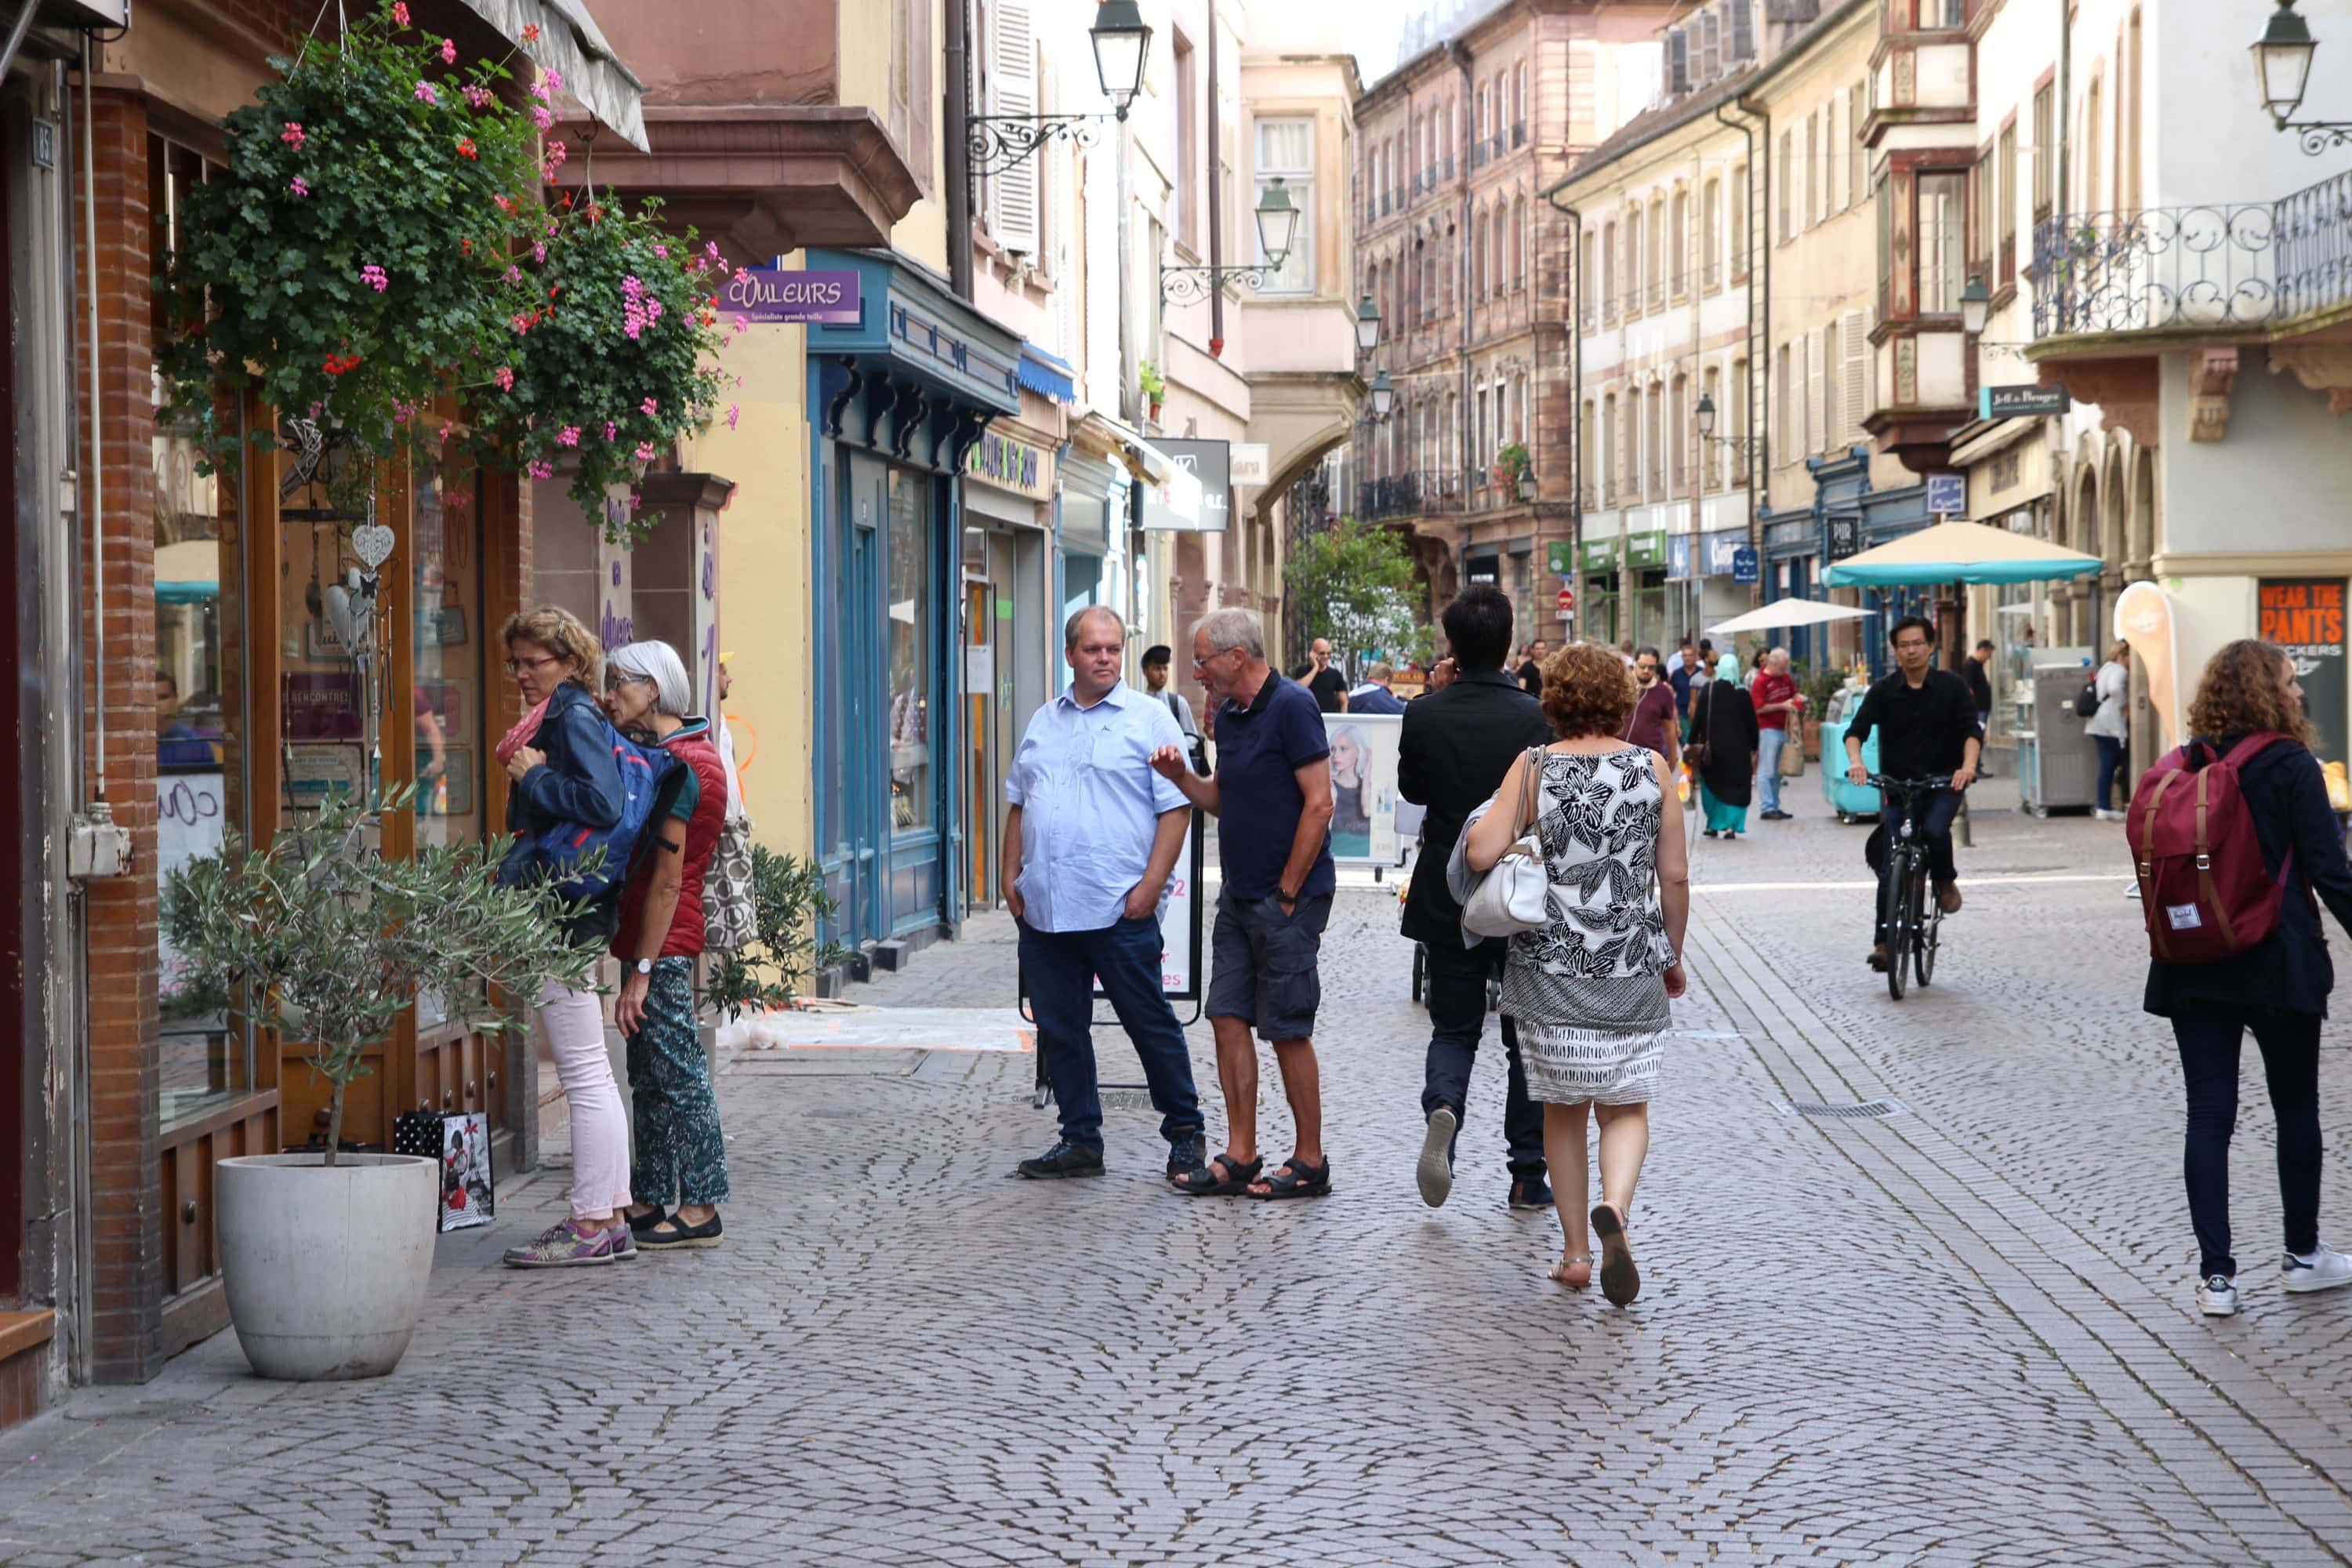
x=560, y=760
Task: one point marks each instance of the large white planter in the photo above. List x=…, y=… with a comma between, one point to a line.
x=326, y=1269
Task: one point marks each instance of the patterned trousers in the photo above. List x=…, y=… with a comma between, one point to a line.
x=681, y=1155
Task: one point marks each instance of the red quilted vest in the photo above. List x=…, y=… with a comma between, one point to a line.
x=693, y=748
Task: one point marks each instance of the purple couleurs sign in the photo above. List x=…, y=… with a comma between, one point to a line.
x=776, y=294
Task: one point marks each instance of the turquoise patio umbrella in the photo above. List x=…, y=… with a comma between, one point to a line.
x=1960, y=552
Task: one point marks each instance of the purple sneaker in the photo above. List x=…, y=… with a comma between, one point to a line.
x=565, y=1246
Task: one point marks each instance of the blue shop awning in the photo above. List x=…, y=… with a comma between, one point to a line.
x=1047, y=375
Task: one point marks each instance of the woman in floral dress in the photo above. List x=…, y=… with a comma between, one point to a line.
x=1590, y=990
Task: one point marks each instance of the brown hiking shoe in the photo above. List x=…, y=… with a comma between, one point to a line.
x=1948, y=897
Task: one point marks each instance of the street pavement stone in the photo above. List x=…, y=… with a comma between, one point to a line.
x=1962, y=1335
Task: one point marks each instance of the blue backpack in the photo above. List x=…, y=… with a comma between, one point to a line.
x=564, y=845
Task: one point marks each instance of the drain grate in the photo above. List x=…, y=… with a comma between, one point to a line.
x=1868, y=1110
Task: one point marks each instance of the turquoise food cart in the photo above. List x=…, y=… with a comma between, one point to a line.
x=1851, y=801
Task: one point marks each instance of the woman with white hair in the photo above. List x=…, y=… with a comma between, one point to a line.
x=681, y=1155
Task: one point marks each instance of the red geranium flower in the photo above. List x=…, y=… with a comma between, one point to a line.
x=466, y=149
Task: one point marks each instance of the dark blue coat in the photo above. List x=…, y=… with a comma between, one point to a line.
x=580, y=782
x=2287, y=795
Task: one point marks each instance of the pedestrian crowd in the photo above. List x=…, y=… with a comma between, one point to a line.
x=1553, y=869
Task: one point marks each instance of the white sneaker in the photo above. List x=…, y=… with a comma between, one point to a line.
x=2217, y=1295
x=2323, y=1271
x=2102, y=814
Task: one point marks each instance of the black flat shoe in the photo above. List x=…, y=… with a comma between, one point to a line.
x=709, y=1232
x=640, y=1224
x=1062, y=1159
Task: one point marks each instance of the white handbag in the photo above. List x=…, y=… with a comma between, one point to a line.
x=1515, y=895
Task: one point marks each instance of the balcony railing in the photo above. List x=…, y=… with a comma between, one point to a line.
x=1411, y=495
x=2314, y=232
x=2157, y=269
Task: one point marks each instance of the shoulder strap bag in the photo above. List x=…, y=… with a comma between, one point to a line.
x=1515, y=895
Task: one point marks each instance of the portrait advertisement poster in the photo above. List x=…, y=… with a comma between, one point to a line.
x=2304, y=615
x=1364, y=785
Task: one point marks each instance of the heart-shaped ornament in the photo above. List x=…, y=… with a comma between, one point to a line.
x=337, y=602
x=372, y=541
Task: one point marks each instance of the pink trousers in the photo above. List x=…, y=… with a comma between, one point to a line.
x=574, y=1021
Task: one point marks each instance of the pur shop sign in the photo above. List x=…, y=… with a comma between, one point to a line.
x=776, y=294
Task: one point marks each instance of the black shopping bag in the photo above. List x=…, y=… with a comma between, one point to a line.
x=460, y=1142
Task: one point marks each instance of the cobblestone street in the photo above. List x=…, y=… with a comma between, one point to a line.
x=1961, y=1334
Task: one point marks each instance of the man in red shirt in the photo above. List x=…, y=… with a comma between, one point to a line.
x=1775, y=692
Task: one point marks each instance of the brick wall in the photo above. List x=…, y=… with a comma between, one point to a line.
x=127, y=1263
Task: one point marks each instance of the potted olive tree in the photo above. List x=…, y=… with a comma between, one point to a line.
x=325, y=1253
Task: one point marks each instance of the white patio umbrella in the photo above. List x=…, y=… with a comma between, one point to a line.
x=1787, y=613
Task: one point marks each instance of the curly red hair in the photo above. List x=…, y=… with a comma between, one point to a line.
x=2241, y=693
x=1587, y=691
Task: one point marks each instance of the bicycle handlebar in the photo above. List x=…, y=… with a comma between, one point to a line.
x=1910, y=786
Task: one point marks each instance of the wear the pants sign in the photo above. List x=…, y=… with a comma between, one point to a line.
x=2304, y=615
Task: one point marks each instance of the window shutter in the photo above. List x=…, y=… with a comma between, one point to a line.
x=1743, y=29
x=1678, y=62
x=1813, y=389
x=1013, y=63
x=1853, y=332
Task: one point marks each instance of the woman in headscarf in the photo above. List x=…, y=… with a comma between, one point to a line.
x=1722, y=729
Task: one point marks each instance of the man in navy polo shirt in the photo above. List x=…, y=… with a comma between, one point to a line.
x=1273, y=850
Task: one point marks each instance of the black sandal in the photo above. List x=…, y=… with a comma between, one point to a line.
x=1297, y=1179
x=1203, y=1182
x=709, y=1232
x=642, y=1223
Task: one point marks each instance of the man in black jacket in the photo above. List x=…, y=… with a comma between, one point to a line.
x=1457, y=744
x=1926, y=724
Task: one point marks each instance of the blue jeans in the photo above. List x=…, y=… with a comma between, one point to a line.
x=2111, y=765
x=1059, y=968
x=1768, y=744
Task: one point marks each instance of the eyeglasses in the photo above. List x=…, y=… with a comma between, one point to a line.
x=1916, y=645
x=616, y=679
x=517, y=666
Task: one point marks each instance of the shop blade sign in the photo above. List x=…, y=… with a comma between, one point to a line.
x=1845, y=537
x=2020, y=402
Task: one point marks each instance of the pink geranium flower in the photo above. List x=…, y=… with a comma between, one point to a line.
x=477, y=95
x=541, y=116
x=424, y=93
x=504, y=377
x=292, y=135
x=567, y=437
x=374, y=277
x=542, y=469
x=448, y=51
x=649, y=408
x=300, y=186
x=645, y=451
x=400, y=12
x=734, y=412
x=610, y=429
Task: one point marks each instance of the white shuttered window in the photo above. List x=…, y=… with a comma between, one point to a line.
x=1013, y=80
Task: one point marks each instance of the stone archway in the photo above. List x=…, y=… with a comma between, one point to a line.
x=2083, y=535
x=2139, y=530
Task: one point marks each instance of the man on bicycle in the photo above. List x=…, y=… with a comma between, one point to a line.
x=1928, y=727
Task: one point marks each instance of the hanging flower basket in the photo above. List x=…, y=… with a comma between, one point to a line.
x=354, y=252
x=611, y=338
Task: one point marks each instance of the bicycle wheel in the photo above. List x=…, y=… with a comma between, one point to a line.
x=1929, y=929
x=1900, y=918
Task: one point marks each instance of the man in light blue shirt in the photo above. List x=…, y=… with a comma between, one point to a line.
x=1089, y=844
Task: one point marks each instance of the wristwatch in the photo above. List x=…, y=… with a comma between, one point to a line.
x=645, y=966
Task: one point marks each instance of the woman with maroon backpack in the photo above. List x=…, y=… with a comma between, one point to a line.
x=2225, y=964
x=680, y=1153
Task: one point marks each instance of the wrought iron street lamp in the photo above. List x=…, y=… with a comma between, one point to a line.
x=2282, y=70
x=1706, y=419
x=1277, y=230
x=1368, y=324
x=1384, y=396
x=1528, y=485
x=1975, y=305
x=1122, y=42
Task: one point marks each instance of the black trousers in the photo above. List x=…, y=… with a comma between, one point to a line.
x=1457, y=980
x=2210, y=1034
